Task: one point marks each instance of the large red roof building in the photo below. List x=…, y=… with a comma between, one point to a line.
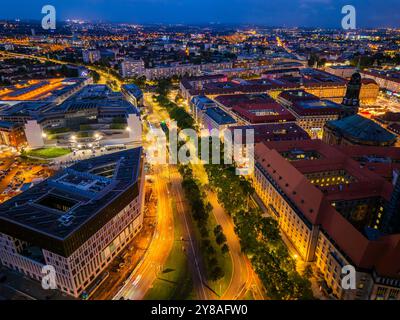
x=255, y=108
x=336, y=210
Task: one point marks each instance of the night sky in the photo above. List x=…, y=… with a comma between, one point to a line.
x=286, y=13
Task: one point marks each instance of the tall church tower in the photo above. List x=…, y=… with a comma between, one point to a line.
x=351, y=101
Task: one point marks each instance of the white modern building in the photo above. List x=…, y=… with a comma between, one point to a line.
x=132, y=68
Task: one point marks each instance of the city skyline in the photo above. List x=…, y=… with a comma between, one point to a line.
x=286, y=13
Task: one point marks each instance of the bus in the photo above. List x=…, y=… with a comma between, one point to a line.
x=115, y=147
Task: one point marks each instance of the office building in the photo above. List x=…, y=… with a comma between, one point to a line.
x=254, y=108
x=132, y=68
x=94, y=116
x=133, y=94
x=76, y=221
x=12, y=134
x=216, y=118
x=335, y=211
x=310, y=112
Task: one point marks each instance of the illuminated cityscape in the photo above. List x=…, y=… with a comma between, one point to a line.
x=199, y=158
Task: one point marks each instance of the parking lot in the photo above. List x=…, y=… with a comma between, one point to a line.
x=16, y=175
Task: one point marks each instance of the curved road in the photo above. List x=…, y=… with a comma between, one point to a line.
x=146, y=272
x=243, y=277
x=104, y=76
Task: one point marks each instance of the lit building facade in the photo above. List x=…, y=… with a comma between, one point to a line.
x=333, y=211
x=133, y=94
x=76, y=221
x=310, y=112
x=132, y=68
x=369, y=91
x=12, y=134
x=386, y=79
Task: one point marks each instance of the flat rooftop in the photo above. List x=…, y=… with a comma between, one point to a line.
x=133, y=89
x=297, y=95
x=342, y=67
x=256, y=108
x=306, y=104
x=274, y=132
x=39, y=90
x=317, y=107
x=65, y=202
x=94, y=98
x=28, y=109
x=219, y=116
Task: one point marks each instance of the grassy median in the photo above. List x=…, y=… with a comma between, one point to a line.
x=174, y=282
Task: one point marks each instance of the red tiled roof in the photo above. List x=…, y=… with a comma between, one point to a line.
x=245, y=105
x=382, y=254
x=275, y=132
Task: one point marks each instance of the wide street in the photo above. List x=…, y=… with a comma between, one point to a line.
x=243, y=277
x=190, y=243
x=167, y=185
x=148, y=269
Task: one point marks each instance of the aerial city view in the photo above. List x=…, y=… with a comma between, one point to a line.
x=205, y=151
